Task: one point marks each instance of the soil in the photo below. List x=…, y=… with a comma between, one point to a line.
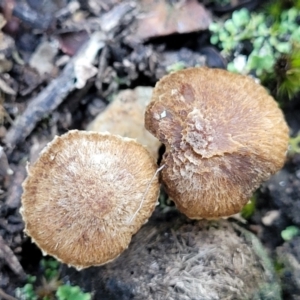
x=46, y=97
x=182, y=259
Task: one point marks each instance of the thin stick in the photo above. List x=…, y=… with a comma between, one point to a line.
x=145, y=193
x=5, y=296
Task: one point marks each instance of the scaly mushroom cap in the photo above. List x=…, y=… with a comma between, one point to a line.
x=87, y=194
x=224, y=136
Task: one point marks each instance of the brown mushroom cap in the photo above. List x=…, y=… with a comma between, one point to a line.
x=87, y=194
x=224, y=136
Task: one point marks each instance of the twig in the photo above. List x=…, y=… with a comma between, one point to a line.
x=5, y=296
x=53, y=95
x=67, y=11
x=9, y=257
x=29, y=16
x=101, y=67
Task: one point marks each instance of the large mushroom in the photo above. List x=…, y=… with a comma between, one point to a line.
x=86, y=196
x=224, y=135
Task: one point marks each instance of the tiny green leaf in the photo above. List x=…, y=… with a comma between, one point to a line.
x=241, y=17
x=283, y=47
x=290, y=232
x=230, y=26
x=214, y=27
x=214, y=39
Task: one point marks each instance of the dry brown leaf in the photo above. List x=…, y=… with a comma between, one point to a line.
x=162, y=18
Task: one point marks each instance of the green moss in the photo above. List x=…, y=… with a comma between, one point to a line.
x=287, y=70
x=294, y=145
x=249, y=209
x=275, y=8
x=49, y=285
x=271, y=41
x=67, y=292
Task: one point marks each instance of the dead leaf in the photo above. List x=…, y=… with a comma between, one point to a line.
x=162, y=18
x=70, y=42
x=42, y=58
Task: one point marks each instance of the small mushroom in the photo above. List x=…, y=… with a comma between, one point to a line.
x=125, y=116
x=87, y=194
x=224, y=136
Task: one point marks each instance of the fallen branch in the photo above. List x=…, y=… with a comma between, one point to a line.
x=5, y=296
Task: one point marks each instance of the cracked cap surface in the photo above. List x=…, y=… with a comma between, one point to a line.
x=224, y=136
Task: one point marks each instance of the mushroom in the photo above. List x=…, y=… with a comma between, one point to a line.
x=224, y=136
x=125, y=116
x=87, y=194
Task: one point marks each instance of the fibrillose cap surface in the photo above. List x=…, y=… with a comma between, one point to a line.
x=224, y=136
x=87, y=194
